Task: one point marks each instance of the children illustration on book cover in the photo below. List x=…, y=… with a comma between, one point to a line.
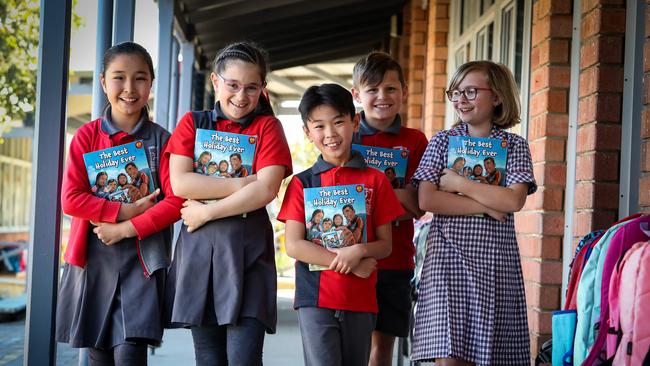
x=391, y=162
x=335, y=215
x=223, y=154
x=120, y=173
x=482, y=160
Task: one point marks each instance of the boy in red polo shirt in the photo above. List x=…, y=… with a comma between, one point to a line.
x=380, y=87
x=337, y=307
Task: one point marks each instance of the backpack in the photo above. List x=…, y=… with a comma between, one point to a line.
x=583, y=250
x=621, y=242
x=588, y=297
x=630, y=306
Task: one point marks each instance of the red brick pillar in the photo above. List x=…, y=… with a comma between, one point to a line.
x=540, y=225
x=599, y=115
x=644, y=179
x=436, y=76
x=416, y=68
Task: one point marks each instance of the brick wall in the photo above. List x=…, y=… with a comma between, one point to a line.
x=403, y=51
x=540, y=224
x=416, y=66
x=436, y=72
x=644, y=179
x=599, y=115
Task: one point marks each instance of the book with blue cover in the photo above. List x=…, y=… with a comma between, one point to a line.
x=120, y=173
x=391, y=162
x=335, y=216
x=223, y=154
x=482, y=160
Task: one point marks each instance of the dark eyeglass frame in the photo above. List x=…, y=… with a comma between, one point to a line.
x=258, y=87
x=464, y=92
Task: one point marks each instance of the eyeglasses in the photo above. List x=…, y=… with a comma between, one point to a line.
x=233, y=86
x=469, y=93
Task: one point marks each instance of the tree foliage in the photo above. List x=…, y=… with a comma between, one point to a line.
x=19, y=35
x=19, y=23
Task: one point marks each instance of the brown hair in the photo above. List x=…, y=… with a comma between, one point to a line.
x=502, y=83
x=371, y=69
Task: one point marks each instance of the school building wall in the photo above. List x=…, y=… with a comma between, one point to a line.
x=540, y=224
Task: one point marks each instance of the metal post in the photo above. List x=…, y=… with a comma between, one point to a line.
x=49, y=143
x=165, y=24
x=185, y=85
x=173, y=90
x=104, y=25
x=631, y=116
x=123, y=17
x=572, y=138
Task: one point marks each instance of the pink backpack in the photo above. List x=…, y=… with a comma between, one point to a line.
x=629, y=234
x=629, y=307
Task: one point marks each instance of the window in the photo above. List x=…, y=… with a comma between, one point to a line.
x=489, y=30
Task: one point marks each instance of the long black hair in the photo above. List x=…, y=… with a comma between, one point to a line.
x=128, y=48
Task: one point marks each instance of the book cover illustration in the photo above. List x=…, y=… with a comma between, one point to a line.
x=120, y=173
x=223, y=154
x=391, y=162
x=482, y=160
x=335, y=216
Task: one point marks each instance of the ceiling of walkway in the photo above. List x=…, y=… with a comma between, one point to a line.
x=309, y=41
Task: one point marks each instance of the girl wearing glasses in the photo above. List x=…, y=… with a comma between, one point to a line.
x=222, y=282
x=471, y=307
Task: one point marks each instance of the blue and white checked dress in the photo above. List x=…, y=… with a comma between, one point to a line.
x=471, y=302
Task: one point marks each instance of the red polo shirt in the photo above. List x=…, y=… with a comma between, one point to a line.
x=330, y=289
x=398, y=137
x=271, y=148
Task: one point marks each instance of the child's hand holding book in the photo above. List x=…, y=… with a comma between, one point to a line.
x=131, y=210
x=347, y=258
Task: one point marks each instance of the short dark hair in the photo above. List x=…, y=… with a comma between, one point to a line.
x=332, y=95
x=238, y=155
x=348, y=206
x=371, y=69
x=130, y=164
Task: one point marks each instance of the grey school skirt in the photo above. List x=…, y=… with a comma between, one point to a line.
x=109, y=302
x=222, y=272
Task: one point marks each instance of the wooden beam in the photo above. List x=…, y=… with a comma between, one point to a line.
x=286, y=82
x=247, y=8
x=286, y=14
x=319, y=55
x=327, y=76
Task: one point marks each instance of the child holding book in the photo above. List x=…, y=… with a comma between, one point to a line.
x=222, y=282
x=380, y=87
x=106, y=303
x=471, y=307
x=336, y=307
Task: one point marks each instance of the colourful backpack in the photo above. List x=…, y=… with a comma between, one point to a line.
x=583, y=250
x=621, y=242
x=589, y=297
x=630, y=307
